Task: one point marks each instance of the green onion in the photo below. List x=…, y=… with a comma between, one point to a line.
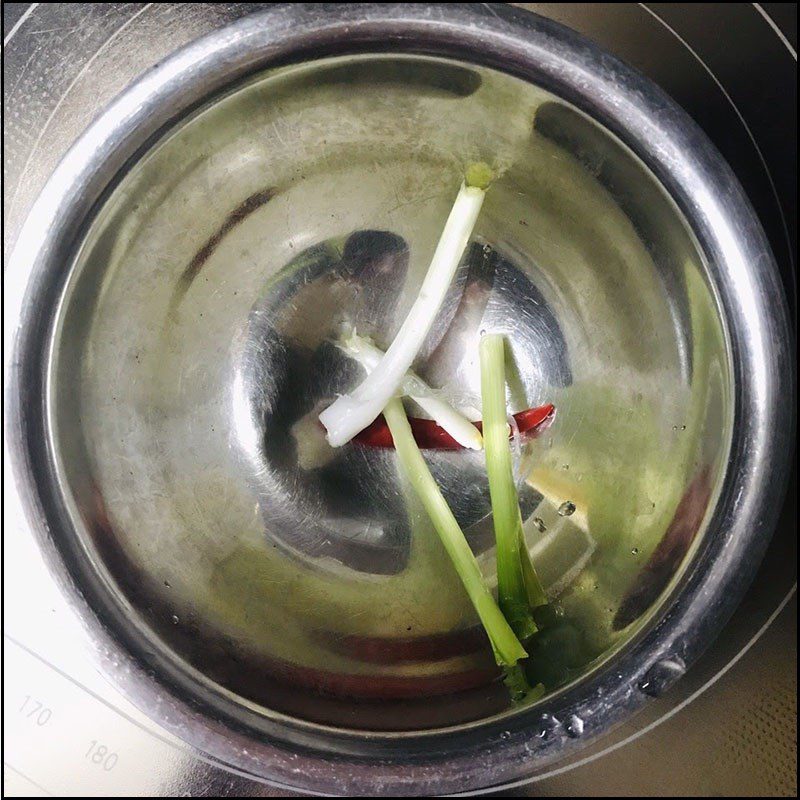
x=352, y=412
x=518, y=587
x=453, y=421
x=506, y=646
x=533, y=586
x=519, y=688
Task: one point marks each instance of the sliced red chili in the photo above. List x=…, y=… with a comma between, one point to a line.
x=430, y=436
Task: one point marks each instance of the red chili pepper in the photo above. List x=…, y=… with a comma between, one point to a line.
x=430, y=436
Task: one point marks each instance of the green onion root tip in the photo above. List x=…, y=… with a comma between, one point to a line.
x=479, y=174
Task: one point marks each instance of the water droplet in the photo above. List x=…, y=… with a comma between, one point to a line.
x=548, y=723
x=683, y=427
x=674, y=427
x=505, y=735
x=574, y=727
x=175, y=619
x=566, y=509
x=635, y=551
x=539, y=523
x=168, y=584
x=565, y=466
x=661, y=676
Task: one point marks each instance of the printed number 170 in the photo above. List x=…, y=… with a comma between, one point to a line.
x=36, y=711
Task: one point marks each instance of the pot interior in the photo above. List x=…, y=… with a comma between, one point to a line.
x=194, y=347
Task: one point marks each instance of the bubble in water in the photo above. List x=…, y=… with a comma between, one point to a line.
x=635, y=551
x=505, y=735
x=674, y=427
x=539, y=523
x=565, y=466
x=566, y=509
x=175, y=619
x=683, y=427
x=168, y=584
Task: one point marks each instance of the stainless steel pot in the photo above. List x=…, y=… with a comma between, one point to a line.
x=150, y=391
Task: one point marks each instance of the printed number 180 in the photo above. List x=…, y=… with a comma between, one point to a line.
x=99, y=754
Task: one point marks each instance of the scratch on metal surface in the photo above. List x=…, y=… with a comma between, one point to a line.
x=83, y=71
x=18, y=24
x=53, y=30
x=488, y=7
x=23, y=72
x=414, y=200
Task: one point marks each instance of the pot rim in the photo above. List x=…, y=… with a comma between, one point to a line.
x=740, y=265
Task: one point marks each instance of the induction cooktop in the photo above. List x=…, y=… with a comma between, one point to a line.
x=727, y=728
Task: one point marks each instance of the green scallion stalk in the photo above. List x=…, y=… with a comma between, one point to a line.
x=518, y=686
x=518, y=587
x=505, y=644
x=533, y=586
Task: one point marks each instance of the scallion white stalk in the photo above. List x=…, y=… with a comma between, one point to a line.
x=351, y=413
x=453, y=421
